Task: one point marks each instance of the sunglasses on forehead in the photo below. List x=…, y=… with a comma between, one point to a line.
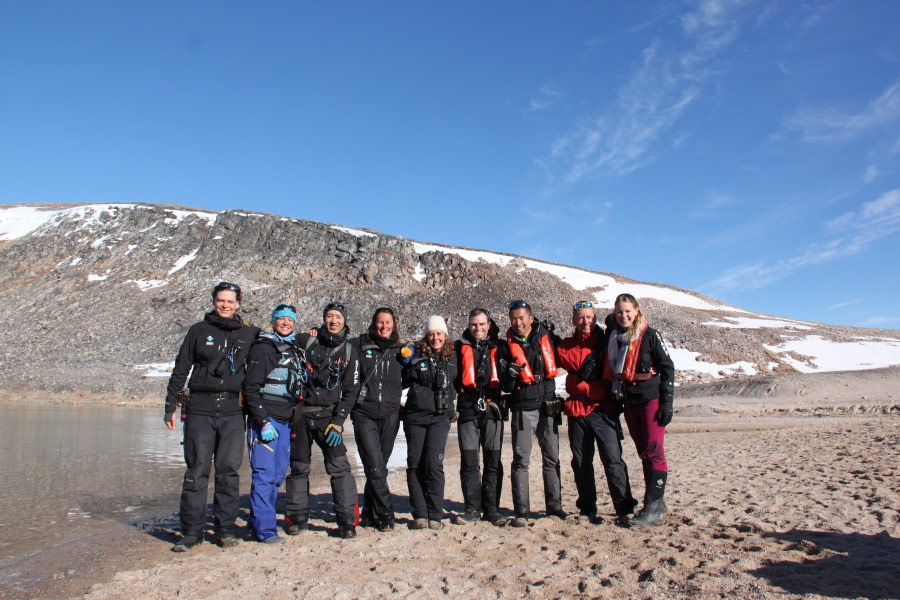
x=338, y=306
x=289, y=307
x=583, y=304
x=224, y=285
x=479, y=311
x=518, y=304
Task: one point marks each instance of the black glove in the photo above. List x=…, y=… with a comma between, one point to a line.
x=588, y=370
x=664, y=412
x=548, y=325
x=513, y=369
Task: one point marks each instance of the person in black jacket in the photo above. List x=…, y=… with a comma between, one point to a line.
x=481, y=416
x=271, y=390
x=376, y=416
x=426, y=421
x=528, y=372
x=332, y=362
x=213, y=352
x=641, y=375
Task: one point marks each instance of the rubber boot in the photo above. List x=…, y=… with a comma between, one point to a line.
x=654, y=505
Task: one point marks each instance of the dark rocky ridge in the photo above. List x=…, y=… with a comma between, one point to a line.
x=77, y=320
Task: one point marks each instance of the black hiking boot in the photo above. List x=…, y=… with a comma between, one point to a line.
x=187, y=542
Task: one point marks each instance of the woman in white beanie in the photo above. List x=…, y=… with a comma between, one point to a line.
x=426, y=421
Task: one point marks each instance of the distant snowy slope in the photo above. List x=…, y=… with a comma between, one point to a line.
x=19, y=221
x=583, y=280
x=122, y=264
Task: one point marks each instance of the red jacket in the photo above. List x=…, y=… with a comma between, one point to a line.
x=583, y=395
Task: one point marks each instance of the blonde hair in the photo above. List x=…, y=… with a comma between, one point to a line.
x=639, y=319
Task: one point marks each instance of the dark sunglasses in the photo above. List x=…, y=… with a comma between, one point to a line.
x=386, y=309
x=583, y=304
x=479, y=311
x=335, y=306
x=290, y=307
x=518, y=304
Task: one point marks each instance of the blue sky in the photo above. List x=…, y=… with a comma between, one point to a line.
x=746, y=150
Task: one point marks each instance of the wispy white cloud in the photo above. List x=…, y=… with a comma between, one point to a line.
x=871, y=174
x=547, y=95
x=881, y=322
x=814, y=13
x=826, y=124
x=584, y=212
x=873, y=220
x=713, y=205
x=853, y=232
x=840, y=305
x=664, y=83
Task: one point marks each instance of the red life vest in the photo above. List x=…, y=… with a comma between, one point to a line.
x=467, y=353
x=518, y=355
x=631, y=360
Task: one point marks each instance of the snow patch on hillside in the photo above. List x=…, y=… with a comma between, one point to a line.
x=155, y=369
x=753, y=323
x=354, y=232
x=180, y=215
x=19, y=221
x=419, y=275
x=585, y=280
x=470, y=255
x=687, y=361
x=148, y=284
x=814, y=353
x=181, y=262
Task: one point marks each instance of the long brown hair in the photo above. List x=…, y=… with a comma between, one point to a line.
x=639, y=319
x=422, y=347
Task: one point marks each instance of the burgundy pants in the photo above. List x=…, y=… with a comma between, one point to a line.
x=647, y=434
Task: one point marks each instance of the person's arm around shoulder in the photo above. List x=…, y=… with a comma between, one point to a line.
x=419, y=370
x=184, y=361
x=663, y=364
x=350, y=386
x=261, y=360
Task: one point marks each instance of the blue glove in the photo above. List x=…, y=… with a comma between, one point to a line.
x=268, y=433
x=333, y=435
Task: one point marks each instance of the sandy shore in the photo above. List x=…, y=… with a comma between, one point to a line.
x=783, y=495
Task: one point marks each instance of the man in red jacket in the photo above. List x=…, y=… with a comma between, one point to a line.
x=593, y=416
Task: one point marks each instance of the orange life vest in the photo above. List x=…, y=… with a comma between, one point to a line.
x=467, y=353
x=518, y=355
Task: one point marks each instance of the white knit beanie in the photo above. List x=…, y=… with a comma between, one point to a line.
x=436, y=323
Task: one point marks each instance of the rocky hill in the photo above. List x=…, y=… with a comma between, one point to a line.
x=97, y=298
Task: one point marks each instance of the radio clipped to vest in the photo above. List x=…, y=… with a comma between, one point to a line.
x=327, y=372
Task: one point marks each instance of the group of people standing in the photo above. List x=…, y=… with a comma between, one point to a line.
x=281, y=389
